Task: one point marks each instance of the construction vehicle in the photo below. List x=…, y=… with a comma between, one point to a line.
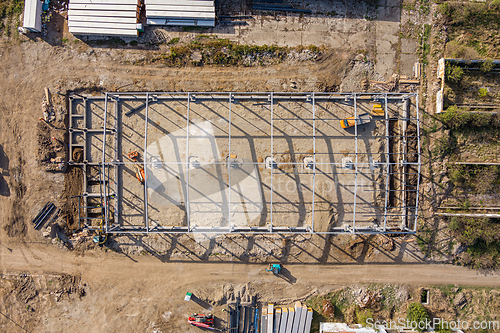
x=139, y=173
x=275, y=268
x=360, y=120
x=202, y=321
x=375, y=111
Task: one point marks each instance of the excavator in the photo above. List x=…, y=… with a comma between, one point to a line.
x=275, y=268
x=139, y=173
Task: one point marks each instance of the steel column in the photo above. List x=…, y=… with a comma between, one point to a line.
x=387, y=158
x=144, y=163
x=356, y=163
x=187, y=164
x=314, y=160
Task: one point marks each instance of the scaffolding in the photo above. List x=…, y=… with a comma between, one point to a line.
x=102, y=197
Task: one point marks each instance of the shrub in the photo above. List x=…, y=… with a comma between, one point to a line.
x=173, y=41
x=454, y=73
x=363, y=315
x=487, y=65
x=482, y=92
x=455, y=117
x=416, y=313
x=480, y=119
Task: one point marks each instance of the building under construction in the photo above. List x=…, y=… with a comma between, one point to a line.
x=246, y=162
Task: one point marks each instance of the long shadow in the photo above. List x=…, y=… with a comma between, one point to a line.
x=286, y=275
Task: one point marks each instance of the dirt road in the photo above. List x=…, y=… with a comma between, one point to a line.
x=40, y=259
x=142, y=294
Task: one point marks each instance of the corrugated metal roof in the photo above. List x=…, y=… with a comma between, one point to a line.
x=181, y=12
x=178, y=14
x=118, y=2
x=100, y=19
x=104, y=31
x=102, y=6
x=181, y=2
x=110, y=13
x=103, y=17
x=33, y=15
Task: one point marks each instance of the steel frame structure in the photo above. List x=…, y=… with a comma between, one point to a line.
x=108, y=196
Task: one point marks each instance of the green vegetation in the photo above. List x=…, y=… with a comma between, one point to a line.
x=473, y=28
x=173, y=41
x=416, y=313
x=363, y=315
x=211, y=50
x=482, y=238
x=482, y=92
x=487, y=65
x=109, y=41
x=454, y=73
x=424, y=45
x=9, y=11
x=460, y=119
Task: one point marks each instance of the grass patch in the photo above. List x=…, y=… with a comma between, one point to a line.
x=173, y=41
x=482, y=238
x=473, y=28
x=207, y=49
x=460, y=119
x=9, y=12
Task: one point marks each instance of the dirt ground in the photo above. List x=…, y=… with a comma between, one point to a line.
x=118, y=293
x=47, y=288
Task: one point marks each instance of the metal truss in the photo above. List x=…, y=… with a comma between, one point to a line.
x=109, y=191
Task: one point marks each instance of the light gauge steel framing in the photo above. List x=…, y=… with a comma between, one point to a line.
x=400, y=160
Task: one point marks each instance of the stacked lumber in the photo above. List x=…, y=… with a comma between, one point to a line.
x=396, y=82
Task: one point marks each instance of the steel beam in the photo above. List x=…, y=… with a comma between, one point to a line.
x=105, y=201
x=387, y=161
x=228, y=166
x=338, y=98
x=355, y=164
x=314, y=159
x=188, y=213
x=272, y=160
x=144, y=163
x=419, y=162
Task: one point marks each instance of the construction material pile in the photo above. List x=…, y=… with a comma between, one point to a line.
x=51, y=137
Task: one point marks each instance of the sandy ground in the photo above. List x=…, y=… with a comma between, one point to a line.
x=142, y=294
x=134, y=293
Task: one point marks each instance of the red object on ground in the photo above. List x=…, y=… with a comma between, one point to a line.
x=201, y=320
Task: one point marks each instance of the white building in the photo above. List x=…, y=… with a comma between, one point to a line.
x=33, y=15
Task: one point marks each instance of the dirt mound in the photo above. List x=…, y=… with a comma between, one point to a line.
x=73, y=181
x=25, y=289
x=332, y=68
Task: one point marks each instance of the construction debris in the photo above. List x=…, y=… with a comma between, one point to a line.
x=44, y=213
x=328, y=309
x=47, y=108
x=368, y=298
x=395, y=83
